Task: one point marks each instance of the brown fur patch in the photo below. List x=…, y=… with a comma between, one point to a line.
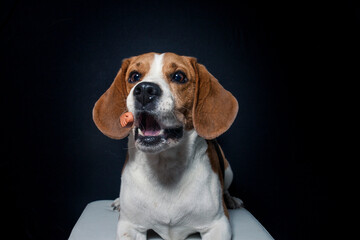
x=226, y=163
x=183, y=93
x=140, y=64
x=111, y=105
x=214, y=108
x=215, y=165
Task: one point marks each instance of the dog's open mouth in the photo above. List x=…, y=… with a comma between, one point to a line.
x=148, y=126
x=149, y=132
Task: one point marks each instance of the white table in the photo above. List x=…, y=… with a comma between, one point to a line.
x=98, y=222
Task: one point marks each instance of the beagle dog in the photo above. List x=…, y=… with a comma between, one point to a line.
x=172, y=180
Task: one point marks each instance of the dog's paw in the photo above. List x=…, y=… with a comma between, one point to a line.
x=116, y=204
x=232, y=202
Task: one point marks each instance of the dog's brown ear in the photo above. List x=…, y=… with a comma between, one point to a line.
x=109, y=107
x=214, y=107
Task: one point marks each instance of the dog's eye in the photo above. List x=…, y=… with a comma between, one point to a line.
x=134, y=77
x=179, y=77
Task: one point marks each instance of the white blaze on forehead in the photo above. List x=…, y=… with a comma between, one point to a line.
x=155, y=72
x=165, y=104
x=154, y=75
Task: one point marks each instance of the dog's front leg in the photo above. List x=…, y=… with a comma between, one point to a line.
x=128, y=231
x=116, y=204
x=219, y=230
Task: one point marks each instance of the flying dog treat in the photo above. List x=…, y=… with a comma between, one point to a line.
x=127, y=120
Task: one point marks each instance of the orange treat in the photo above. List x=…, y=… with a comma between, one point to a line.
x=127, y=120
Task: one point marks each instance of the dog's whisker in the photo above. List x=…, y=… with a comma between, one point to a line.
x=173, y=113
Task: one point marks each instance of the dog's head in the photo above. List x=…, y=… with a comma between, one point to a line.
x=168, y=95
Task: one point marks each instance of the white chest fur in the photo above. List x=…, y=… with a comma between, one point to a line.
x=175, y=192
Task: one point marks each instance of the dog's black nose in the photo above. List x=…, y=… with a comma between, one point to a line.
x=146, y=93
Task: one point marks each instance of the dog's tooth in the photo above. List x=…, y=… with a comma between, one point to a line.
x=160, y=132
x=140, y=132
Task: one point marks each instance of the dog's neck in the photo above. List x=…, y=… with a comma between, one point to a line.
x=168, y=167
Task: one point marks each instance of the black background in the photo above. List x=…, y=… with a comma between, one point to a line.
x=58, y=57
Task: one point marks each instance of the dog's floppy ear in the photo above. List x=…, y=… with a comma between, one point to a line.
x=109, y=107
x=214, y=107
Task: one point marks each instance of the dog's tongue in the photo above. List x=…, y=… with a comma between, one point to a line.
x=151, y=133
x=149, y=125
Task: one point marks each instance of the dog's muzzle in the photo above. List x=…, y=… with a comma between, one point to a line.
x=152, y=130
